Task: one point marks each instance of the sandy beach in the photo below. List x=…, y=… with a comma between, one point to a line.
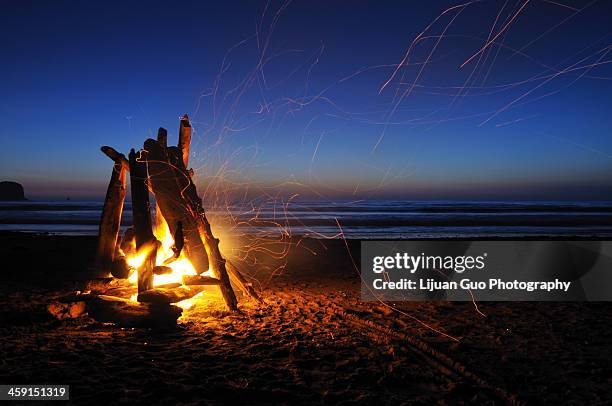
x=313, y=342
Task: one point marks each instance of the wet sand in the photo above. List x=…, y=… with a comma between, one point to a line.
x=313, y=342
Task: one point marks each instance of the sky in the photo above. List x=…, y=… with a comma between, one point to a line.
x=481, y=100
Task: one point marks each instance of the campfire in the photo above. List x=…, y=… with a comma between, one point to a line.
x=164, y=261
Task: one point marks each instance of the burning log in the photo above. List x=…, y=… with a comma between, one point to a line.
x=162, y=270
x=177, y=247
x=111, y=211
x=170, y=179
x=111, y=286
x=145, y=240
x=200, y=280
x=167, y=296
x=159, y=219
x=127, y=313
x=217, y=262
x=179, y=240
x=168, y=182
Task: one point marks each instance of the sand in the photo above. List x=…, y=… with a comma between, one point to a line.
x=313, y=342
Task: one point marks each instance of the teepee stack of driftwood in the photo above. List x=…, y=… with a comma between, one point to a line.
x=162, y=171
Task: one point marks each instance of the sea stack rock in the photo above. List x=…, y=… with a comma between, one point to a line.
x=11, y=191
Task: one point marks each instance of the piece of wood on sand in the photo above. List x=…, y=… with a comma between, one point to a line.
x=240, y=281
x=202, y=280
x=169, y=295
x=114, y=309
x=146, y=242
x=127, y=313
x=110, y=220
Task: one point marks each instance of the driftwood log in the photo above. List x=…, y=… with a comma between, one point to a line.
x=128, y=242
x=114, y=309
x=162, y=137
x=169, y=295
x=120, y=268
x=168, y=183
x=179, y=240
x=184, y=142
x=162, y=270
x=169, y=179
x=240, y=281
x=200, y=280
x=141, y=214
x=127, y=313
x=110, y=221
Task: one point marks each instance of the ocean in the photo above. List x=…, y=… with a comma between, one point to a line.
x=379, y=219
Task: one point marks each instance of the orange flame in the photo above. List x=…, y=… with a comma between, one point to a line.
x=180, y=267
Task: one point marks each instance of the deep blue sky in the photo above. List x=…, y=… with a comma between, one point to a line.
x=78, y=75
